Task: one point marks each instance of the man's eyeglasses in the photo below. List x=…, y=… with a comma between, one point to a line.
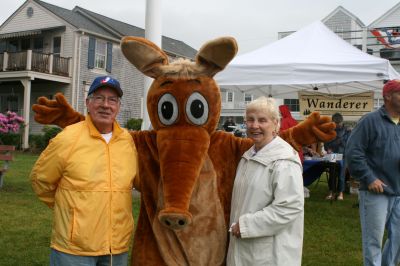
x=100, y=99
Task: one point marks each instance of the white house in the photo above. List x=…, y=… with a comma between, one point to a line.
x=45, y=49
x=349, y=27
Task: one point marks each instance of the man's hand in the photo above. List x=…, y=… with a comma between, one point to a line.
x=376, y=186
x=57, y=112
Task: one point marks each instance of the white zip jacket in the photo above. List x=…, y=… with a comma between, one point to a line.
x=268, y=202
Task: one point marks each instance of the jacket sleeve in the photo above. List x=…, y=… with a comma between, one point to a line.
x=357, y=149
x=47, y=171
x=287, y=205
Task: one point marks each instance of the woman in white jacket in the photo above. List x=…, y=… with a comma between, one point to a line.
x=267, y=212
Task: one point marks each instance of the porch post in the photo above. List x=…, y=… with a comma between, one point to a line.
x=70, y=67
x=5, y=61
x=364, y=39
x=28, y=59
x=27, y=106
x=51, y=59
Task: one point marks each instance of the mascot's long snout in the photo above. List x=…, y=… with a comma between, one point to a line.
x=182, y=152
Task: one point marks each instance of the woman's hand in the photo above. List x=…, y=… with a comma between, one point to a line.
x=235, y=229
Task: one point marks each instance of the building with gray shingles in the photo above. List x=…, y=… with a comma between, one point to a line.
x=45, y=49
x=349, y=27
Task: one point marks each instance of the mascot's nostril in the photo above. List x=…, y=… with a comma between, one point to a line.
x=167, y=223
x=181, y=222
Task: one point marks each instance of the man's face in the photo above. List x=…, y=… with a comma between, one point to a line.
x=103, y=106
x=393, y=102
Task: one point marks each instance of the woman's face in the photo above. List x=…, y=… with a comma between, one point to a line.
x=260, y=128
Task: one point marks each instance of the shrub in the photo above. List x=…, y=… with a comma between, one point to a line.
x=50, y=132
x=39, y=142
x=134, y=124
x=11, y=139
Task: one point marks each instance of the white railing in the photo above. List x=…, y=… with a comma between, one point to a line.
x=234, y=105
x=35, y=61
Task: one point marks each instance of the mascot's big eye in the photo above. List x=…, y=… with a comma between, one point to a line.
x=197, y=109
x=167, y=109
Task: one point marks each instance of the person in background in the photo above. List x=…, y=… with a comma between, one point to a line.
x=314, y=150
x=337, y=145
x=287, y=121
x=267, y=211
x=86, y=176
x=373, y=158
x=229, y=125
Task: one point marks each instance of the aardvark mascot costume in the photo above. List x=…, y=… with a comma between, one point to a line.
x=186, y=167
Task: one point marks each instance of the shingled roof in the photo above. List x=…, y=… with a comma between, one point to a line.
x=87, y=20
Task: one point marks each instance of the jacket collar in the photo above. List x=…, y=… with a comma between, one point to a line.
x=93, y=132
x=275, y=150
x=384, y=113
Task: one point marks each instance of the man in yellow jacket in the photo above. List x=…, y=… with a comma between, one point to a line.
x=86, y=175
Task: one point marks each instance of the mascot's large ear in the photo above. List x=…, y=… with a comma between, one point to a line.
x=216, y=54
x=144, y=55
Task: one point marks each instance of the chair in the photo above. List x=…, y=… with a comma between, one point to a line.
x=6, y=156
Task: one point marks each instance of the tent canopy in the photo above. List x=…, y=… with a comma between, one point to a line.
x=311, y=59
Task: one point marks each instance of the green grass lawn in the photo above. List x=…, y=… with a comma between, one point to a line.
x=332, y=230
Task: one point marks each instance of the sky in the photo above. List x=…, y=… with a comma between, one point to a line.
x=253, y=23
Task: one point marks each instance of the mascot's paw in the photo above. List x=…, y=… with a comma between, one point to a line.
x=56, y=112
x=314, y=129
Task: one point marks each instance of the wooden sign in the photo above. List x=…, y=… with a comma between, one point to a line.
x=328, y=104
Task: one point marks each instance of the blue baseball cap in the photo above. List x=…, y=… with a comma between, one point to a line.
x=105, y=81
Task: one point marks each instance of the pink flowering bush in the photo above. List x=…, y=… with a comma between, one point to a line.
x=10, y=122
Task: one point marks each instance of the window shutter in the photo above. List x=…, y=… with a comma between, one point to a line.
x=92, y=46
x=109, y=57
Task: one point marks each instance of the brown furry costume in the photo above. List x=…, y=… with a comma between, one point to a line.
x=186, y=168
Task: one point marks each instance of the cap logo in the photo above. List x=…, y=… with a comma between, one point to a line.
x=105, y=80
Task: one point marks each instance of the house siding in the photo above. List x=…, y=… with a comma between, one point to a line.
x=43, y=89
x=130, y=78
x=41, y=18
x=345, y=27
x=74, y=29
x=392, y=20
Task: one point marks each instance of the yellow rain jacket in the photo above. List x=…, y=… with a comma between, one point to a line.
x=89, y=184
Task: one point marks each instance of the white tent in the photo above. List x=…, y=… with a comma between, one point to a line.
x=311, y=59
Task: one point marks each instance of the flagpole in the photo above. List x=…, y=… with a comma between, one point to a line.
x=152, y=33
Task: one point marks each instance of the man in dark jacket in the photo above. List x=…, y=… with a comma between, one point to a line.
x=229, y=125
x=337, y=145
x=373, y=157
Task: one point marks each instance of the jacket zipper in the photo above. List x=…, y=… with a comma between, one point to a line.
x=110, y=191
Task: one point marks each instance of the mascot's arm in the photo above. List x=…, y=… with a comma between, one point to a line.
x=56, y=112
x=147, y=155
x=314, y=129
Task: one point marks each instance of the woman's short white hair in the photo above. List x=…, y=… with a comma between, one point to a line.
x=266, y=106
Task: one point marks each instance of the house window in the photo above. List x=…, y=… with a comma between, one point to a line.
x=340, y=31
x=25, y=44
x=9, y=103
x=3, y=46
x=293, y=104
x=57, y=46
x=248, y=97
x=378, y=103
x=229, y=96
x=100, y=54
x=38, y=44
x=12, y=46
